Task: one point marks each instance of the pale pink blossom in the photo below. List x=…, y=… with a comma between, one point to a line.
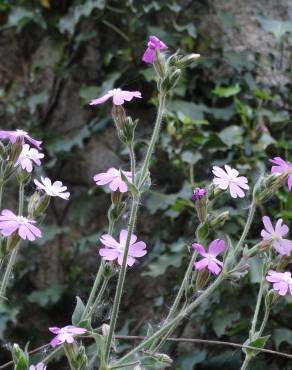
x=27, y=157
x=113, y=177
x=230, y=179
x=275, y=235
x=10, y=223
x=119, y=97
x=281, y=167
x=153, y=44
x=210, y=261
x=115, y=249
x=282, y=281
x=53, y=189
x=65, y=335
x=12, y=136
x=39, y=366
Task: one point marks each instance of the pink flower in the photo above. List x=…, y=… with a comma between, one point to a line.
x=65, y=335
x=282, y=246
x=116, y=249
x=12, y=136
x=230, y=179
x=282, y=166
x=27, y=156
x=119, y=97
x=199, y=193
x=210, y=261
x=9, y=223
x=281, y=281
x=113, y=177
x=153, y=44
x=39, y=366
x=55, y=189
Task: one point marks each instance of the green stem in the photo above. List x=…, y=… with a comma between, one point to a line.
x=133, y=161
x=98, y=298
x=14, y=252
x=177, y=319
x=245, y=363
x=132, y=222
x=69, y=352
x=160, y=113
x=54, y=353
x=257, y=309
x=121, y=280
x=246, y=228
x=1, y=193
x=265, y=320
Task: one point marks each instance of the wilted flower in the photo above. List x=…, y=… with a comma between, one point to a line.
x=282, y=166
x=153, y=44
x=12, y=136
x=65, y=335
x=27, y=156
x=275, y=236
x=282, y=281
x=9, y=223
x=199, y=193
x=55, y=189
x=119, y=97
x=230, y=179
x=116, y=249
x=39, y=366
x=113, y=177
x=210, y=261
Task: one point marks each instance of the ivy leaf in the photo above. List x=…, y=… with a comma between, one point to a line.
x=277, y=27
x=190, y=157
x=232, y=135
x=226, y=92
x=282, y=335
x=78, y=311
x=48, y=296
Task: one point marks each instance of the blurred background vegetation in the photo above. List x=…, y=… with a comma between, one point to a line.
x=233, y=107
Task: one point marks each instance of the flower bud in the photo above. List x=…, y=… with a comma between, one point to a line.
x=214, y=192
x=116, y=197
x=22, y=176
x=201, y=208
x=220, y=219
x=202, y=279
x=125, y=125
x=170, y=81
x=38, y=204
x=81, y=360
x=202, y=232
x=2, y=150
x=270, y=298
x=20, y=358
x=160, y=64
x=119, y=116
x=107, y=271
x=16, y=149
x=115, y=211
x=266, y=186
x=186, y=60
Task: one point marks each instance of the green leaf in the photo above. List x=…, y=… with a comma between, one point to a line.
x=190, y=360
x=258, y=343
x=51, y=295
x=78, y=311
x=191, y=157
x=226, y=92
x=282, y=335
x=277, y=27
x=232, y=135
x=224, y=320
x=70, y=21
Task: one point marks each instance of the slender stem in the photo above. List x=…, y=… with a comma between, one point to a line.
x=247, y=227
x=125, y=365
x=177, y=300
x=264, y=322
x=133, y=161
x=14, y=252
x=160, y=113
x=98, y=298
x=245, y=363
x=121, y=280
x=257, y=309
x=68, y=352
x=192, y=175
x=178, y=318
x=1, y=193
x=54, y=353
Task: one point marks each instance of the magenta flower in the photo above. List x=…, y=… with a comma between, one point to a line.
x=229, y=179
x=282, y=166
x=282, y=246
x=113, y=177
x=116, y=249
x=119, y=97
x=27, y=157
x=199, y=193
x=281, y=281
x=55, y=189
x=9, y=223
x=12, y=136
x=39, y=366
x=65, y=335
x=210, y=261
x=153, y=44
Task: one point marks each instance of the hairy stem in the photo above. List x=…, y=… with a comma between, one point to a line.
x=246, y=228
x=133, y=161
x=257, y=309
x=98, y=298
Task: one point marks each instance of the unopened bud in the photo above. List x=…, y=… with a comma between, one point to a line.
x=160, y=64
x=214, y=192
x=115, y=211
x=201, y=208
x=38, y=204
x=2, y=150
x=266, y=186
x=107, y=271
x=23, y=176
x=170, y=81
x=116, y=197
x=202, y=279
x=187, y=60
x=16, y=149
x=220, y=219
x=119, y=116
x=202, y=232
x=125, y=125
